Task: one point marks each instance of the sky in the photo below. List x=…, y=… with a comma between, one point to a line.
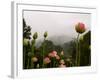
x=55, y=23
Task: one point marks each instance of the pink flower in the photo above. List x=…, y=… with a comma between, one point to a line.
x=80, y=27
x=57, y=57
x=53, y=54
x=34, y=59
x=46, y=60
x=62, y=61
x=62, y=66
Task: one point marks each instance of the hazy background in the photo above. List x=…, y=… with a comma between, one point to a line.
x=60, y=26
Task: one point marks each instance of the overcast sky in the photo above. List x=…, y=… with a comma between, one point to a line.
x=56, y=24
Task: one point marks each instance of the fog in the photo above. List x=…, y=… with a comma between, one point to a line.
x=56, y=24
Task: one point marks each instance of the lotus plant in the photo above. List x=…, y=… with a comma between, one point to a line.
x=43, y=46
x=80, y=28
x=35, y=36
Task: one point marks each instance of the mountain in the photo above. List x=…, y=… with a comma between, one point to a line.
x=60, y=40
x=57, y=40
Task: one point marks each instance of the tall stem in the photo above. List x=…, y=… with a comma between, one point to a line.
x=32, y=49
x=43, y=51
x=78, y=53
x=77, y=50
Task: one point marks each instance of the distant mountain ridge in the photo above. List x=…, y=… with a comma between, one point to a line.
x=60, y=40
x=57, y=40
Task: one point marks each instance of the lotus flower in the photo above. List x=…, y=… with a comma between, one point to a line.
x=57, y=57
x=62, y=61
x=46, y=60
x=62, y=66
x=53, y=54
x=34, y=59
x=80, y=27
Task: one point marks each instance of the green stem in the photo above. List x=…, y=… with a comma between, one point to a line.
x=53, y=62
x=28, y=64
x=79, y=54
x=33, y=44
x=43, y=51
x=77, y=50
x=32, y=49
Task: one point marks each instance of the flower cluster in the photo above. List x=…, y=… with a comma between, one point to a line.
x=53, y=59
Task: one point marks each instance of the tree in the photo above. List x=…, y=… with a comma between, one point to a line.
x=26, y=30
x=26, y=44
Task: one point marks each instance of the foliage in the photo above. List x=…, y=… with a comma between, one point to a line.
x=85, y=50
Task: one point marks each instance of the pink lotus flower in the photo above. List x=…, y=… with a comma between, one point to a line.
x=57, y=57
x=62, y=61
x=62, y=66
x=53, y=54
x=34, y=59
x=80, y=27
x=46, y=60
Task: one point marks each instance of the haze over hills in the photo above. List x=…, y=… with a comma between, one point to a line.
x=57, y=40
x=60, y=40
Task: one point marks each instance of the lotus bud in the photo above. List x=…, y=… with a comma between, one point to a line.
x=62, y=53
x=35, y=36
x=80, y=27
x=34, y=59
x=45, y=34
x=25, y=42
